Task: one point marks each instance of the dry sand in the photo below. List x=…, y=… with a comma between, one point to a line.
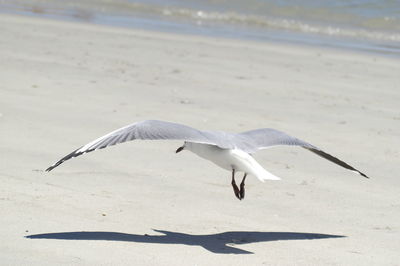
x=63, y=84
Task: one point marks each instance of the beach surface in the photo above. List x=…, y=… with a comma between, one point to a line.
x=64, y=84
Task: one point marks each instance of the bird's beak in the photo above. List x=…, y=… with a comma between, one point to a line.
x=179, y=149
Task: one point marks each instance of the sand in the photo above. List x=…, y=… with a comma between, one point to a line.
x=64, y=84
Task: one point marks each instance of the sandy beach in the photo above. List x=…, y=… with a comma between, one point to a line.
x=64, y=84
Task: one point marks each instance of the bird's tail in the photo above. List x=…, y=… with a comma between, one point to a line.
x=246, y=163
x=258, y=171
x=263, y=175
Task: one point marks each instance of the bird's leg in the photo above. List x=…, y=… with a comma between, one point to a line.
x=241, y=192
x=235, y=187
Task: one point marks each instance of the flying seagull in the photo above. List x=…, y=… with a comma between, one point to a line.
x=231, y=151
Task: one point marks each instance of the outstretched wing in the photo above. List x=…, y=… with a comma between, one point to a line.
x=147, y=130
x=267, y=137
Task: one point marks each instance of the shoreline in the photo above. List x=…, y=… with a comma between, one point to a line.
x=142, y=22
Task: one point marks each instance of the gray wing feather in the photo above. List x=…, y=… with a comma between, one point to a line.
x=148, y=130
x=267, y=137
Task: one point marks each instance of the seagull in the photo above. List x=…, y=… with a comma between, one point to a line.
x=230, y=151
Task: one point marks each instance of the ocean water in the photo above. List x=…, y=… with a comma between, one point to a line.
x=371, y=25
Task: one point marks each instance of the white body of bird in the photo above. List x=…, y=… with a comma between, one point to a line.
x=230, y=159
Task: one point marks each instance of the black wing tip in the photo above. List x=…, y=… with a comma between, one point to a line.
x=54, y=165
x=69, y=156
x=335, y=160
x=364, y=175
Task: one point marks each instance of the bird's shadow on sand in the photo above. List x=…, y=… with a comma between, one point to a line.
x=221, y=243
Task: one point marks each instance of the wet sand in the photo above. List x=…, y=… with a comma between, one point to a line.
x=64, y=84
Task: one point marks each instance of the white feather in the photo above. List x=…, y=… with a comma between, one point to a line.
x=229, y=159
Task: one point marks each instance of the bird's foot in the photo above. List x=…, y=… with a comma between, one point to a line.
x=241, y=191
x=236, y=190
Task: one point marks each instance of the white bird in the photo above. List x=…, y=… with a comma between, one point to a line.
x=231, y=151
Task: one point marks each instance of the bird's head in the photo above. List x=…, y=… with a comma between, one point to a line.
x=180, y=148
